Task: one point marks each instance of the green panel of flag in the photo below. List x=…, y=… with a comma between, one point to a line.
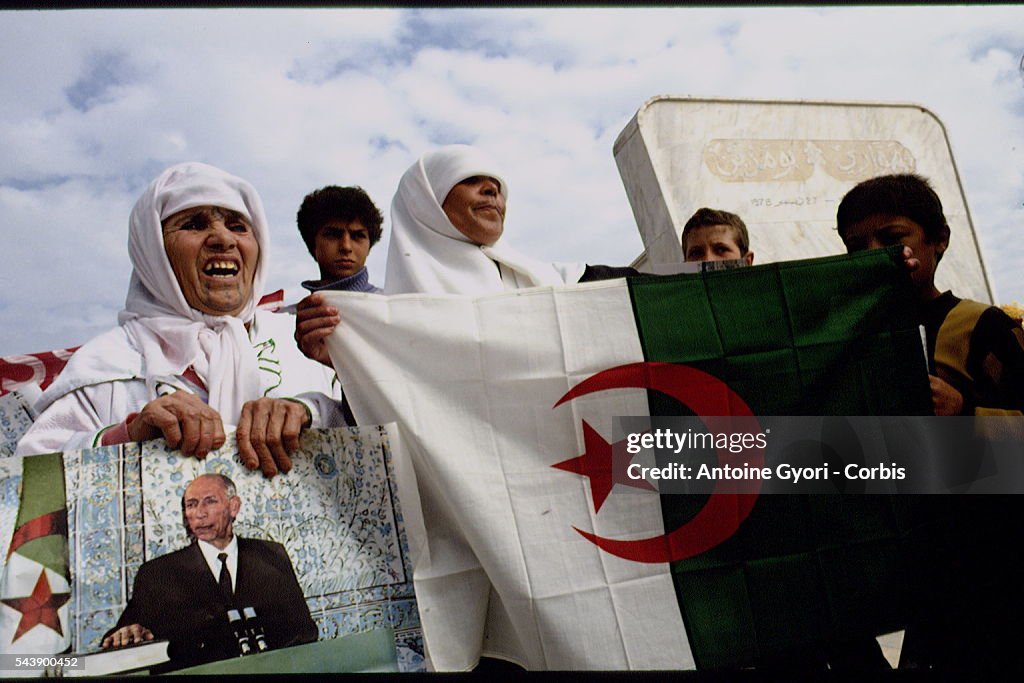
x=833, y=336
x=43, y=499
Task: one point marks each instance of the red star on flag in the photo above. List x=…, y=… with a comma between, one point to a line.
x=597, y=464
x=39, y=608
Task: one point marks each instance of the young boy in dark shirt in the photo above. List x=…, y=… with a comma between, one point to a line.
x=965, y=581
x=976, y=351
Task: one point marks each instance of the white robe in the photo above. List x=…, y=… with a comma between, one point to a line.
x=78, y=418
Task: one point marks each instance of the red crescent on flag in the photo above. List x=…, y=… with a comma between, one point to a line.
x=52, y=523
x=731, y=500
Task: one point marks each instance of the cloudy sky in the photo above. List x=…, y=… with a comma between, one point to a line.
x=96, y=103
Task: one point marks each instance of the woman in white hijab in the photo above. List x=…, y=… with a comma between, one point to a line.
x=191, y=352
x=447, y=225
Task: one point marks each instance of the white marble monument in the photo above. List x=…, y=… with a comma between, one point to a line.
x=784, y=167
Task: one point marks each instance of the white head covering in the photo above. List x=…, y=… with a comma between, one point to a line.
x=170, y=334
x=428, y=254
x=157, y=324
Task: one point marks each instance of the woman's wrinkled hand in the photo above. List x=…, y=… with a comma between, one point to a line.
x=183, y=420
x=268, y=433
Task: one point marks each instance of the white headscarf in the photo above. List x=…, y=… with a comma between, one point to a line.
x=428, y=254
x=157, y=323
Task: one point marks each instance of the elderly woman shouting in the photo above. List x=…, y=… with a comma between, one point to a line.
x=191, y=352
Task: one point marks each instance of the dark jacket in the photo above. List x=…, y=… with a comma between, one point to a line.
x=177, y=598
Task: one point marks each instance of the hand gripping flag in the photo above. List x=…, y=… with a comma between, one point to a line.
x=505, y=403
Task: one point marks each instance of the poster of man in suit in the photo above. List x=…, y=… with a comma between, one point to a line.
x=184, y=596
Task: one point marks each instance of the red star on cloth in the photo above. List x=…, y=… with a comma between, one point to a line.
x=39, y=608
x=598, y=464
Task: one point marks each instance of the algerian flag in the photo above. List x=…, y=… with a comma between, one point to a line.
x=505, y=404
x=34, y=616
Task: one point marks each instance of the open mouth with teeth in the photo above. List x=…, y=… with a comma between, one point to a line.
x=221, y=269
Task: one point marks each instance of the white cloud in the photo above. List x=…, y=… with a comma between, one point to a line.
x=97, y=102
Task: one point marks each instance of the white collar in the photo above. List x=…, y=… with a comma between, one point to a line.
x=210, y=553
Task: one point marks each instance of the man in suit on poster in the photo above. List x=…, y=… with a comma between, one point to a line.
x=184, y=596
